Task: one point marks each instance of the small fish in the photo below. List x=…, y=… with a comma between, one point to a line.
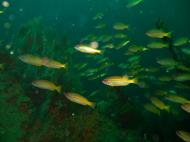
x=157, y=45
x=50, y=63
x=1, y=12
x=182, y=77
x=186, y=107
x=120, y=35
x=120, y=26
x=77, y=98
x=98, y=16
x=31, y=59
x=159, y=104
x=183, y=67
x=156, y=33
x=151, y=108
x=136, y=48
x=186, y=51
x=134, y=59
x=105, y=38
x=181, y=41
x=88, y=49
x=123, y=43
x=100, y=26
x=118, y=81
x=177, y=99
x=183, y=135
x=1, y=66
x=81, y=66
x=133, y=3
x=45, y=84
x=110, y=45
x=167, y=62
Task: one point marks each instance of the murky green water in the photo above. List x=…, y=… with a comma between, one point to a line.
x=94, y=71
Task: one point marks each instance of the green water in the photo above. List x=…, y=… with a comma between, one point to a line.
x=55, y=30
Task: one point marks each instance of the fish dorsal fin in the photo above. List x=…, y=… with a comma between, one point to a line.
x=94, y=44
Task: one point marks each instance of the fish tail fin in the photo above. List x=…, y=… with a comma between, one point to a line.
x=64, y=66
x=169, y=34
x=133, y=80
x=92, y=105
x=139, y=83
x=58, y=89
x=100, y=52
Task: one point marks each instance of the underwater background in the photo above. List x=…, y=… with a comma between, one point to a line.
x=123, y=67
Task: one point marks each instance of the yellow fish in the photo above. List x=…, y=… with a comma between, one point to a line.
x=52, y=63
x=122, y=44
x=167, y=62
x=120, y=35
x=186, y=107
x=120, y=26
x=90, y=49
x=98, y=16
x=183, y=135
x=101, y=26
x=77, y=98
x=45, y=84
x=152, y=108
x=38, y=61
x=181, y=41
x=1, y=66
x=177, y=99
x=157, y=45
x=159, y=104
x=31, y=59
x=165, y=78
x=118, y=81
x=182, y=77
x=136, y=48
x=157, y=33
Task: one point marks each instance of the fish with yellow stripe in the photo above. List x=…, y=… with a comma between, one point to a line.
x=77, y=98
x=159, y=104
x=45, y=84
x=88, y=48
x=184, y=135
x=41, y=61
x=121, y=81
x=158, y=33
